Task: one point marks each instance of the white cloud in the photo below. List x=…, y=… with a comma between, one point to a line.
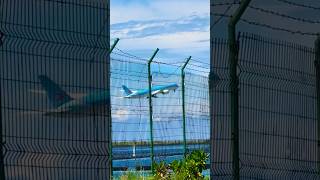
x=120, y=115
x=179, y=40
x=175, y=26
x=155, y=9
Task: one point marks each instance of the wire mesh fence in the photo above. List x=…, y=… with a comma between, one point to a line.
x=277, y=110
x=132, y=147
x=53, y=67
x=221, y=141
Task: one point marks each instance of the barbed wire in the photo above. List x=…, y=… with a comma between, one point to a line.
x=279, y=28
x=166, y=75
x=221, y=17
x=133, y=59
x=168, y=64
x=175, y=61
x=77, y=4
x=270, y=26
x=225, y=4
x=126, y=54
x=130, y=55
x=283, y=15
x=199, y=67
x=299, y=4
x=199, y=61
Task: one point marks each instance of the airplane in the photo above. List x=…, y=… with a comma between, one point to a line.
x=91, y=103
x=65, y=105
x=155, y=90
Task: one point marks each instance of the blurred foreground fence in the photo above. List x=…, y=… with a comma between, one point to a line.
x=55, y=66
x=278, y=127
x=68, y=42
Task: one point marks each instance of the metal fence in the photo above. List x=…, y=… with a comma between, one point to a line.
x=132, y=137
x=68, y=42
x=278, y=133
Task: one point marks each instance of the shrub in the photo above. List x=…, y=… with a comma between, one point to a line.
x=190, y=167
x=161, y=171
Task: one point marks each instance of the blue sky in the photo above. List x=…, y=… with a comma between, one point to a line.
x=179, y=28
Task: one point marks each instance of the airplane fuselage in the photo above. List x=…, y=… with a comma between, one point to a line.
x=164, y=89
x=88, y=105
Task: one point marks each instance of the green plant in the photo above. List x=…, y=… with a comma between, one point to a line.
x=191, y=167
x=161, y=171
x=196, y=163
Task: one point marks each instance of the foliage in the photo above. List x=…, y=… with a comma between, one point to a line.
x=190, y=167
x=134, y=176
x=161, y=171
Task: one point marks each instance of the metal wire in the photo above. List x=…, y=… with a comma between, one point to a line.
x=299, y=5
x=299, y=32
x=303, y=20
x=221, y=17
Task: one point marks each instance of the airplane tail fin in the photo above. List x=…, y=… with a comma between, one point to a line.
x=126, y=90
x=54, y=92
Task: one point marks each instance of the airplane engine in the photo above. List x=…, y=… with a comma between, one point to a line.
x=165, y=92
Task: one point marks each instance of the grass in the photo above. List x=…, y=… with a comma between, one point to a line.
x=135, y=175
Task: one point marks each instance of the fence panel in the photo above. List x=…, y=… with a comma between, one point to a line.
x=65, y=135
x=221, y=141
x=197, y=107
x=277, y=110
x=131, y=123
x=278, y=127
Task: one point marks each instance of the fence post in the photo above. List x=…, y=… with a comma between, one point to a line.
x=184, y=106
x=150, y=106
x=109, y=110
x=2, y=172
x=113, y=46
x=108, y=84
x=233, y=63
x=317, y=66
x=210, y=86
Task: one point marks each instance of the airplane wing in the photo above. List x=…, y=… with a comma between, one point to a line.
x=31, y=113
x=61, y=110
x=42, y=92
x=156, y=92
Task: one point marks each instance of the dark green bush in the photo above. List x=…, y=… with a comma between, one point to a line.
x=191, y=167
